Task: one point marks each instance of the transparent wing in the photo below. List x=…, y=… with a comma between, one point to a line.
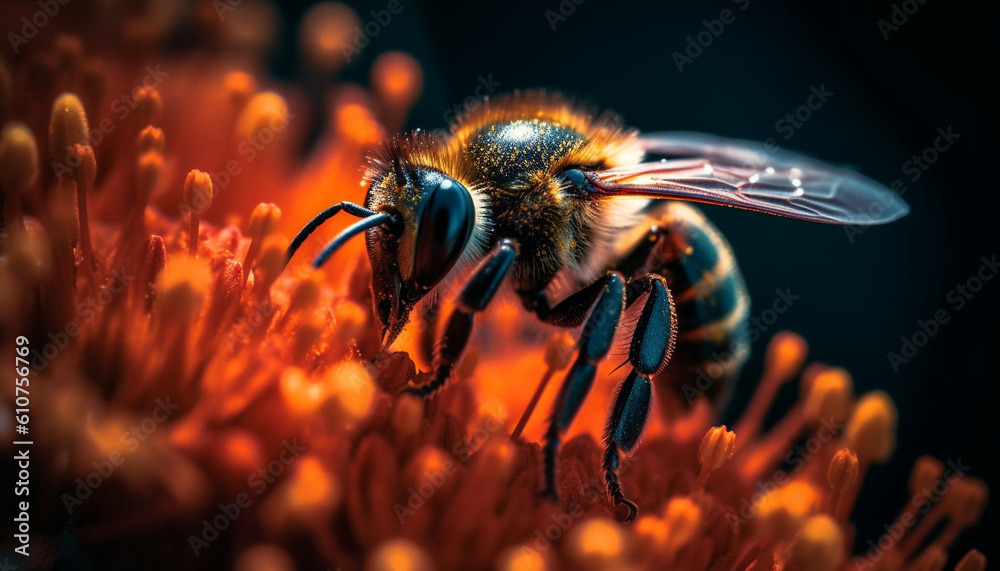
x=743, y=174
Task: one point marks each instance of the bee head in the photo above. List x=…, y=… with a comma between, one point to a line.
x=436, y=214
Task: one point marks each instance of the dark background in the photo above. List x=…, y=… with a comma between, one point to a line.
x=890, y=97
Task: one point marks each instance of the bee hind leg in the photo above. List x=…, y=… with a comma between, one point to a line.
x=650, y=350
x=621, y=433
x=594, y=344
x=474, y=297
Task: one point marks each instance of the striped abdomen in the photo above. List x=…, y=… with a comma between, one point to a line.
x=710, y=298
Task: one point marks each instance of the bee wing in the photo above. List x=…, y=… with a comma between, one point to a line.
x=732, y=172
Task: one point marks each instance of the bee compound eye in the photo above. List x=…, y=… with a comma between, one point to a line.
x=444, y=229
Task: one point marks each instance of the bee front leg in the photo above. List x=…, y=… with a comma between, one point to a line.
x=650, y=350
x=595, y=342
x=474, y=297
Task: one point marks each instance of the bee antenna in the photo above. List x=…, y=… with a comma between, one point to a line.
x=319, y=219
x=350, y=232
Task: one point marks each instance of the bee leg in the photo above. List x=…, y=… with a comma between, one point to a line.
x=650, y=351
x=571, y=311
x=474, y=297
x=595, y=342
x=621, y=433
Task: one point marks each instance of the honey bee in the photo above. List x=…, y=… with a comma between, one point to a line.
x=583, y=219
